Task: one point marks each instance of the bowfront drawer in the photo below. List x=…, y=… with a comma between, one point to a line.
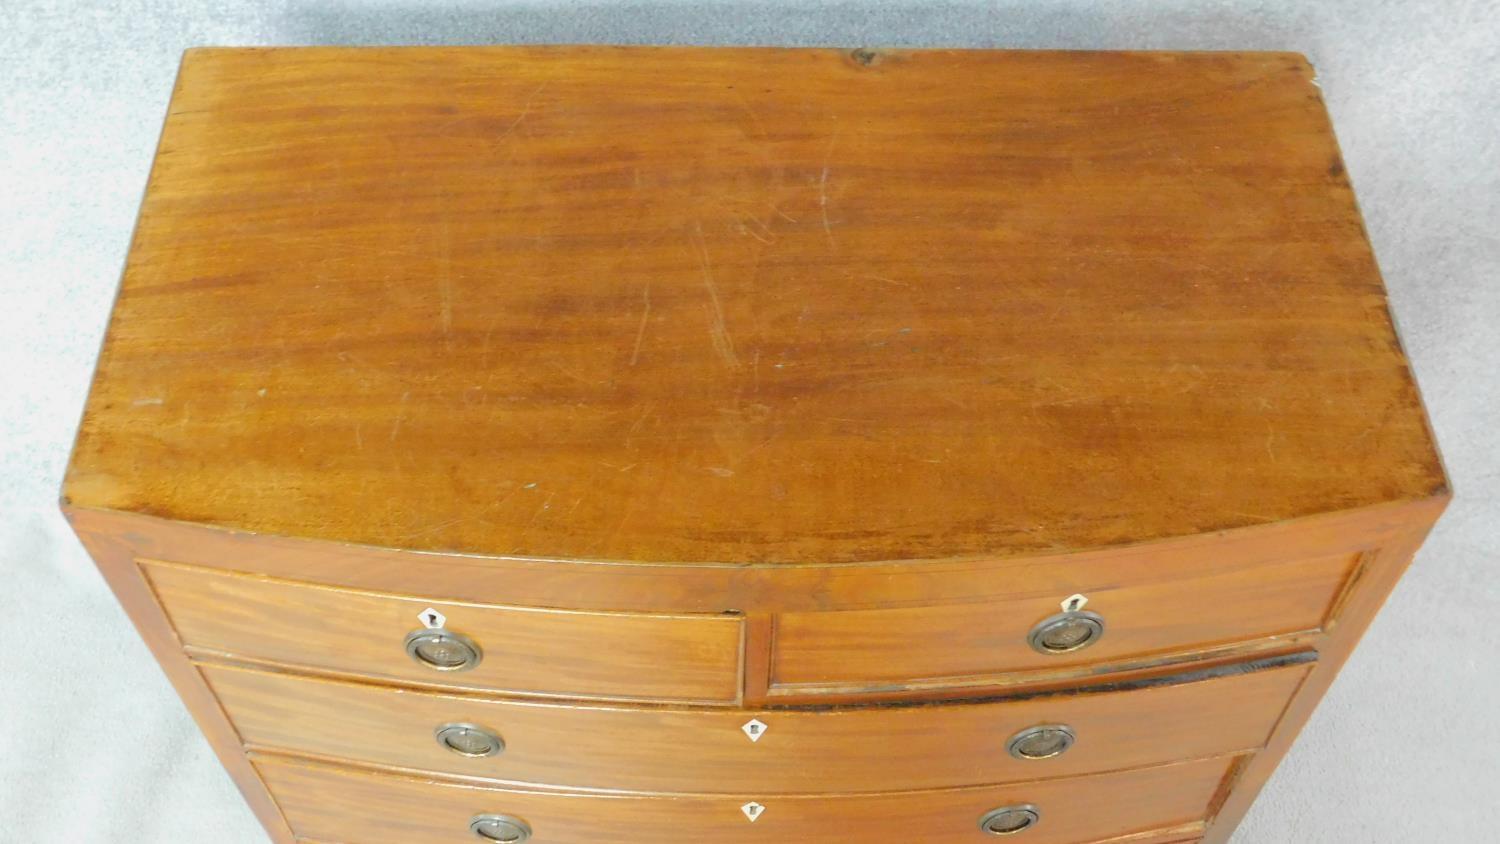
x=330, y=803
x=1131, y=619
x=476, y=647
x=884, y=748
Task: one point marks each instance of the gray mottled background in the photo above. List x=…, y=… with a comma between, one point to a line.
x=93, y=743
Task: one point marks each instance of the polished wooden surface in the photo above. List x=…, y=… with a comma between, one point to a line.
x=699, y=385
x=1168, y=836
x=840, y=749
x=965, y=641
x=526, y=651
x=787, y=306
x=112, y=552
x=762, y=588
x=1382, y=568
x=342, y=804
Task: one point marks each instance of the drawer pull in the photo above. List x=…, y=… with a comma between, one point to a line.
x=470, y=740
x=1066, y=632
x=1009, y=820
x=506, y=829
x=1041, y=742
x=443, y=650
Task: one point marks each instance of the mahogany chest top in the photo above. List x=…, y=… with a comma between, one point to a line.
x=769, y=306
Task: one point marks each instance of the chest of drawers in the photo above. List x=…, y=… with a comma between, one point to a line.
x=741, y=445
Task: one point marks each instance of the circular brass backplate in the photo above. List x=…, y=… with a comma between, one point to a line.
x=506, y=829
x=1043, y=741
x=443, y=650
x=1010, y=820
x=1066, y=632
x=469, y=739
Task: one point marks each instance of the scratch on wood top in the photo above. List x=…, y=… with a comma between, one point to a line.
x=718, y=332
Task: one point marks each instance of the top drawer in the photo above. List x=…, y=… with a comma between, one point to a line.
x=631, y=656
x=1162, y=614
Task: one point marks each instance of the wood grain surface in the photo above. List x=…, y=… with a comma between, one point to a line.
x=524, y=651
x=1142, y=618
x=111, y=552
x=783, y=306
x=580, y=584
x=843, y=749
x=702, y=384
x=335, y=803
x=1381, y=570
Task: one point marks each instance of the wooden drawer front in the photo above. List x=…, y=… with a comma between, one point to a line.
x=527, y=651
x=848, y=749
x=971, y=644
x=330, y=803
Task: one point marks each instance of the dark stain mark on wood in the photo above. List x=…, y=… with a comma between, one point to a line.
x=1304, y=657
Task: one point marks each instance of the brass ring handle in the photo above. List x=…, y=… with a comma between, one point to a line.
x=506, y=829
x=1066, y=632
x=443, y=650
x=1010, y=820
x=469, y=739
x=1043, y=741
